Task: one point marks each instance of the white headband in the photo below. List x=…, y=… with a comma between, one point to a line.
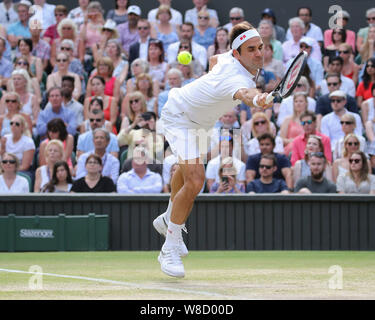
x=244, y=37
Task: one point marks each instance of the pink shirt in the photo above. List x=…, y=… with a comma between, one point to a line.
x=299, y=146
x=350, y=38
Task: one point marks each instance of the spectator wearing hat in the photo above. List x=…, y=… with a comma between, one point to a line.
x=109, y=31
x=349, y=34
x=236, y=15
x=292, y=47
x=20, y=29
x=128, y=30
x=331, y=125
x=8, y=13
x=316, y=67
x=41, y=48
x=335, y=65
x=268, y=14
x=176, y=15
x=191, y=15
x=323, y=103
x=311, y=29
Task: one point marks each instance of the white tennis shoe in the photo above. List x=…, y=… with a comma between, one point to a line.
x=161, y=225
x=170, y=262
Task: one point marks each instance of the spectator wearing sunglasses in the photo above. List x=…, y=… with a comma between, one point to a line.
x=331, y=126
x=204, y=33
x=308, y=122
x=323, y=103
x=19, y=143
x=364, y=89
x=350, y=69
x=341, y=165
x=358, y=179
x=266, y=146
x=236, y=15
x=96, y=120
x=316, y=182
x=10, y=181
x=267, y=183
x=191, y=15
x=51, y=33
x=348, y=126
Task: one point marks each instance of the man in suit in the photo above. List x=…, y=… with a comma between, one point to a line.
x=140, y=48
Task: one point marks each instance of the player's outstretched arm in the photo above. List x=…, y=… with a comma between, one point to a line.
x=247, y=97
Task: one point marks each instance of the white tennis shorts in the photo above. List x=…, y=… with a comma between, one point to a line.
x=188, y=140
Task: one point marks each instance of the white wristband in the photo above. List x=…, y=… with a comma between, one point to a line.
x=255, y=101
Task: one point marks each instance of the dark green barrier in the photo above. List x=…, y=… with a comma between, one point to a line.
x=54, y=233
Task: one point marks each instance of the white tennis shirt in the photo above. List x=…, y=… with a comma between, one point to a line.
x=206, y=99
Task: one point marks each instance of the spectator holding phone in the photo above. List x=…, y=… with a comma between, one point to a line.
x=228, y=182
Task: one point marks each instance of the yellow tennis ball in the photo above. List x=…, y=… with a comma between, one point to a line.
x=184, y=57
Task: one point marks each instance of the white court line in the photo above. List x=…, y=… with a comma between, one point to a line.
x=127, y=284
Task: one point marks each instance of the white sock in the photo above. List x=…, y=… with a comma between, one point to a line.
x=173, y=234
x=167, y=214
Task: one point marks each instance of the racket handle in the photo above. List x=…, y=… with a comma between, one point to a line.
x=269, y=98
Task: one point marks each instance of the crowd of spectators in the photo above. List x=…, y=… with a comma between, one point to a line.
x=82, y=91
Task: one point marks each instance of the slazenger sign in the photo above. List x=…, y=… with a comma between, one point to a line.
x=36, y=233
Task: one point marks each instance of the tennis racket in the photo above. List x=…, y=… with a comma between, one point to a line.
x=287, y=84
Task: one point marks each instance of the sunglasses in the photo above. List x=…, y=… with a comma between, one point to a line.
x=354, y=160
x=370, y=66
x=134, y=101
x=9, y=100
x=225, y=138
x=142, y=28
x=263, y=166
x=96, y=120
x=371, y=19
x=185, y=47
x=204, y=18
x=22, y=63
x=329, y=84
x=300, y=85
x=353, y=144
x=336, y=100
x=346, y=122
x=67, y=28
x=61, y=60
x=259, y=122
x=306, y=122
x=346, y=51
x=8, y=161
x=16, y=123
x=65, y=48
x=304, y=46
x=235, y=18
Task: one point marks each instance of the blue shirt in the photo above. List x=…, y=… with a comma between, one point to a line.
x=207, y=38
x=6, y=67
x=130, y=182
x=18, y=29
x=67, y=115
x=282, y=162
x=86, y=142
x=276, y=186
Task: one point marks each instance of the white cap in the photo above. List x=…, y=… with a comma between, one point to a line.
x=135, y=9
x=307, y=40
x=338, y=93
x=23, y=2
x=111, y=25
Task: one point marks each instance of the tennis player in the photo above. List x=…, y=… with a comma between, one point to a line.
x=196, y=107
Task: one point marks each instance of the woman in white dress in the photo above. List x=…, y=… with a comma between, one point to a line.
x=10, y=182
